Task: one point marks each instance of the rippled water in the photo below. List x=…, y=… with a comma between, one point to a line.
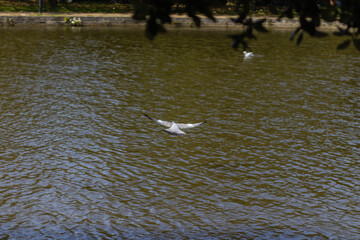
x=277, y=159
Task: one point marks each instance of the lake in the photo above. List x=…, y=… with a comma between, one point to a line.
x=278, y=157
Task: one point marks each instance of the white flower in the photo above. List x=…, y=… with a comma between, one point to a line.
x=75, y=21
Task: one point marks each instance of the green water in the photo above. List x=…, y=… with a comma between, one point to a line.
x=277, y=159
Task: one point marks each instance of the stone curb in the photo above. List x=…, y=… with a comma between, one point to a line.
x=13, y=19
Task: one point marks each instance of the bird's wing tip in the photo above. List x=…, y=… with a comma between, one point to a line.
x=148, y=116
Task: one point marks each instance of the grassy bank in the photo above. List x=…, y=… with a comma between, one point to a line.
x=98, y=7
x=84, y=7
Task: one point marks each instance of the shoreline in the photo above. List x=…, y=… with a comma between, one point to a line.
x=112, y=19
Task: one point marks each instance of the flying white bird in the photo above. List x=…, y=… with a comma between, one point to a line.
x=175, y=128
x=248, y=54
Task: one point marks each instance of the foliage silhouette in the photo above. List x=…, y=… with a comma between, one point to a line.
x=310, y=13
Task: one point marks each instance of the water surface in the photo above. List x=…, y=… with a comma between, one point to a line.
x=277, y=159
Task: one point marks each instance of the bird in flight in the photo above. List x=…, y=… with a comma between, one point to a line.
x=175, y=128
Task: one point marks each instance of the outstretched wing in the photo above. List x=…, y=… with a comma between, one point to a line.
x=189, y=125
x=174, y=130
x=161, y=122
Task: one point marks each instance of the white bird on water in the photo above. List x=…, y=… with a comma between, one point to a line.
x=248, y=54
x=175, y=128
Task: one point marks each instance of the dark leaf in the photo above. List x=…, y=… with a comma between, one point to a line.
x=260, y=21
x=357, y=43
x=242, y=17
x=235, y=43
x=209, y=15
x=342, y=32
x=236, y=36
x=319, y=34
x=152, y=28
x=307, y=26
x=196, y=19
x=245, y=45
x=258, y=25
x=237, y=39
x=299, y=39
x=199, y=6
x=244, y=9
x=233, y=36
x=236, y=20
x=249, y=33
x=248, y=22
x=294, y=33
x=243, y=12
x=344, y=45
x=261, y=29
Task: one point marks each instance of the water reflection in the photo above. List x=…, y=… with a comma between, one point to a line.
x=277, y=159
